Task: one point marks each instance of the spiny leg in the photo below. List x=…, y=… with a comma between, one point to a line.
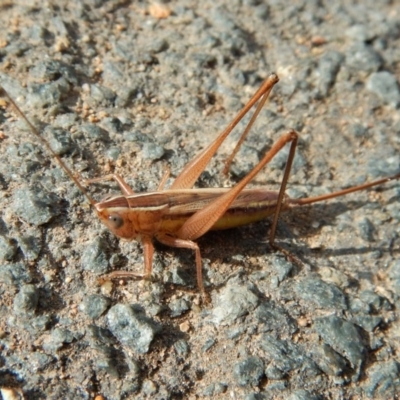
x=279, y=202
x=203, y=220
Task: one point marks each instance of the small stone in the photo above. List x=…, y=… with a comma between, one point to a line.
x=367, y=322
x=94, y=132
x=275, y=318
x=152, y=151
x=30, y=245
x=181, y=347
x=94, y=305
x=149, y=388
x=57, y=339
x=214, y=389
x=208, y=344
x=367, y=229
x=361, y=58
x=249, y=371
x=132, y=328
x=376, y=302
x=34, y=206
x=344, y=338
x=39, y=361
x=385, y=86
x=178, y=307
x=25, y=302
x=59, y=139
x=320, y=293
x=384, y=381
x=274, y=373
x=7, y=249
x=233, y=302
x=287, y=356
x=328, y=360
x=15, y=274
x=94, y=257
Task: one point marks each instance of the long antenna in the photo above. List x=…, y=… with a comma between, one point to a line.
x=44, y=142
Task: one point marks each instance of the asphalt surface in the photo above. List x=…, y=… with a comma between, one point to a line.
x=133, y=87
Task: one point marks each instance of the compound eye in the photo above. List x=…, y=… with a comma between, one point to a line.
x=116, y=221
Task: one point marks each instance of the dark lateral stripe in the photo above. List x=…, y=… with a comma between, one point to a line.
x=114, y=202
x=187, y=201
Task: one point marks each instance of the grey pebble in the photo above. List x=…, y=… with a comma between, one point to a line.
x=34, y=206
x=320, y=293
x=7, y=248
x=249, y=371
x=328, y=67
x=208, y=344
x=283, y=268
x=112, y=124
x=50, y=70
x=287, y=356
x=94, y=132
x=47, y=94
x=274, y=373
x=131, y=327
x=94, y=257
x=367, y=322
x=59, y=139
x=328, y=360
x=361, y=58
x=159, y=45
x=100, y=95
x=179, y=307
x=30, y=245
x=359, y=33
x=385, y=85
x=344, y=338
x=384, y=380
x=105, y=361
x=233, y=302
x=376, y=302
x=152, y=151
x=94, y=305
x=15, y=274
x=181, y=347
x=26, y=301
x=386, y=165
x=275, y=318
x=113, y=153
x=39, y=361
x=57, y=339
x=214, y=389
x=149, y=388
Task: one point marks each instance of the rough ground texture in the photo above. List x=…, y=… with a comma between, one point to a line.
x=115, y=88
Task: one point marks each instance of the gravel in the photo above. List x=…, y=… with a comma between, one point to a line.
x=131, y=88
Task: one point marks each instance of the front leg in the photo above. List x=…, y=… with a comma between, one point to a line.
x=148, y=252
x=185, y=244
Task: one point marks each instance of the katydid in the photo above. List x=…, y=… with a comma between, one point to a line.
x=181, y=214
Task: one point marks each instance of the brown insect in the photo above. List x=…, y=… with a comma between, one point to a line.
x=181, y=214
